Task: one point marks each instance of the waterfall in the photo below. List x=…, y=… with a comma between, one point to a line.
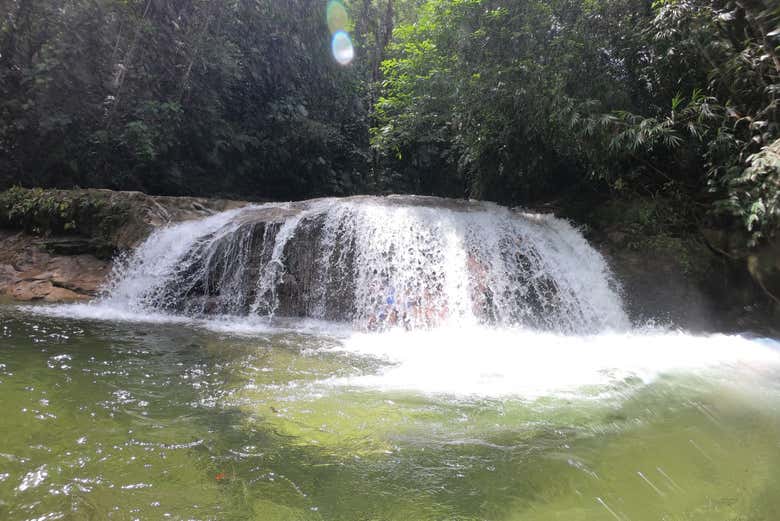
x=379, y=263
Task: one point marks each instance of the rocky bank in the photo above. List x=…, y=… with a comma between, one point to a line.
x=58, y=245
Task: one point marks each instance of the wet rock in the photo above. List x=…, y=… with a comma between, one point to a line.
x=657, y=288
x=8, y=275
x=296, y=291
x=750, y=286
x=30, y=290
x=710, y=281
x=220, y=277
x=764, y=266
x=77, y=246
x=149, y=212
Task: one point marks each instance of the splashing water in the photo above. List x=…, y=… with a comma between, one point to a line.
x=119, y=420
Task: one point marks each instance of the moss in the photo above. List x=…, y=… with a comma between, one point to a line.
x=694, y=259
x=658, y=227
x=93, y=214
x=642, y=217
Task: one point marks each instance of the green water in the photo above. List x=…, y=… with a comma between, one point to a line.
x=138, y=421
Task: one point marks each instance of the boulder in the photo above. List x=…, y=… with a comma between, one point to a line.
x=30, y=290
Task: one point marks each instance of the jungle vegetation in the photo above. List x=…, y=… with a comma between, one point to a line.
x=517, y=101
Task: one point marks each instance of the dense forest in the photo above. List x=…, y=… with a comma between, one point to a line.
x=517, y=101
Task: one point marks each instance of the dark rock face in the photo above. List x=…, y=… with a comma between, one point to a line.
x=674, y=273
x=764, y=266
x=220, y=279
x=296, y=293
x=656, y=289
x=302, y=292
x=693, y=283
x=237, y=274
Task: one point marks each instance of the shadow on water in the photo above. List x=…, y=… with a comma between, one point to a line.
x=125, y=421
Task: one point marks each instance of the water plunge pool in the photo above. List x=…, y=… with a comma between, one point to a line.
x=305, y=421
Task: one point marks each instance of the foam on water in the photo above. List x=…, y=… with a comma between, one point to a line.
x=530, y=364
x=107, y=312
x=224, y=324
x=487, y=362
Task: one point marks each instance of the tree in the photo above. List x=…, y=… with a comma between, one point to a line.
x=178, y=97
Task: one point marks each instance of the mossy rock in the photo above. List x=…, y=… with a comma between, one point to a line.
x=89, y=213
x=107, y=221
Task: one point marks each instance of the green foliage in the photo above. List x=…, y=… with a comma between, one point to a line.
x=474, y=91
x=91, y=214
x=517, y=101
x=510, y=100
x=754, y=193
x=720, y=140
x=176, y=97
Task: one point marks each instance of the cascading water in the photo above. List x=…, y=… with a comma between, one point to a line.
x=410, y=262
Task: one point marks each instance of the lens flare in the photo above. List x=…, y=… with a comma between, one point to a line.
x=337, y=16
x=342, y=48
